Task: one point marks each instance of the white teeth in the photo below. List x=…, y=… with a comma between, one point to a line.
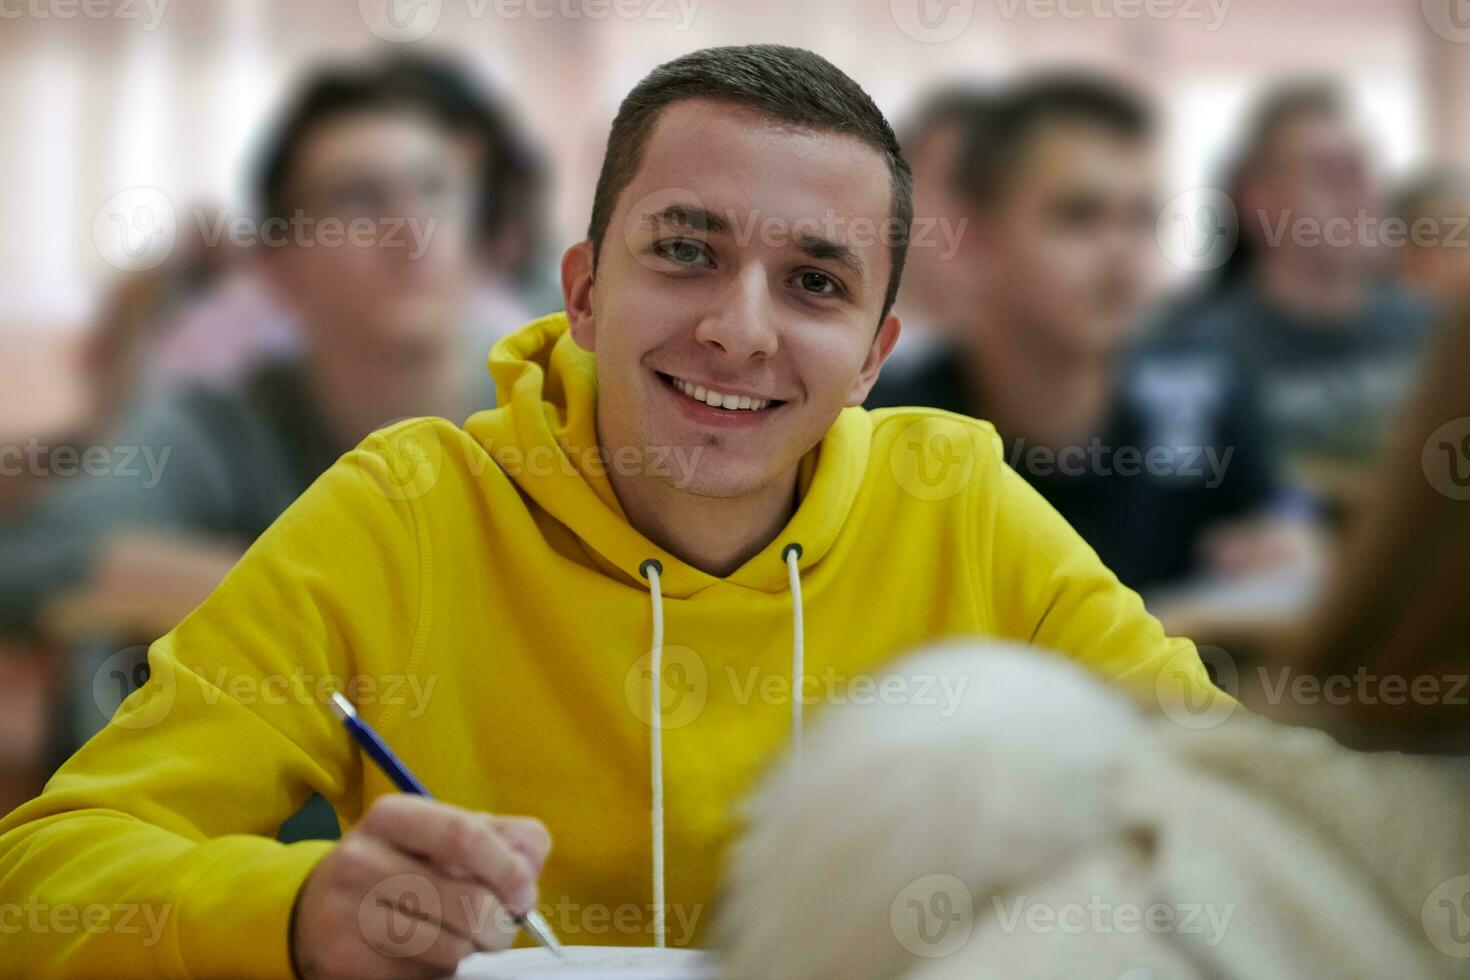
x=718, y=399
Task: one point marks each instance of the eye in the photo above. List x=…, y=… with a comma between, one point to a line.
x=683, y=251
x=818, y=283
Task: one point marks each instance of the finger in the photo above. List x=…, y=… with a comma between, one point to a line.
x=456, y=841
x=528, y=836
x=406, y=904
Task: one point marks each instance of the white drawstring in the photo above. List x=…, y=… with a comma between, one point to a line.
x=651, y=569
x=792, y=553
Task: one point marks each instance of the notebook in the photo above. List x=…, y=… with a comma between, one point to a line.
x=590, y=963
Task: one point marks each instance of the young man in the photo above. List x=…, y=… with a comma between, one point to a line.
x=676, y=460
x=1331, y=344
x=1143, y=455
x=384, y=317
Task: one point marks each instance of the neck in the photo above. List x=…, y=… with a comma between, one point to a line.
x=359, y=390
x=1021, y=380
x=714, y=534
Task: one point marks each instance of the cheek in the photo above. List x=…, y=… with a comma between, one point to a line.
x=828, y=365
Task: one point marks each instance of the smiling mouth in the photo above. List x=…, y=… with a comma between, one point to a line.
x=718, y=399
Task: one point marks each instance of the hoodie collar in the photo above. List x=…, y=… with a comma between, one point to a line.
x=544, y=434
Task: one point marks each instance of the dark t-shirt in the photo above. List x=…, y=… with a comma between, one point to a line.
x=1179, y=453
x=1329, y=389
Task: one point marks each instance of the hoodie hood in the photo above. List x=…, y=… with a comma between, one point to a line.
x=544, y=436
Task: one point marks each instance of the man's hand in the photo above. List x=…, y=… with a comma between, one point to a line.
x=415, y=887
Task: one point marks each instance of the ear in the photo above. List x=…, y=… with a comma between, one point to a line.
x=576, y=293
x=878, y=351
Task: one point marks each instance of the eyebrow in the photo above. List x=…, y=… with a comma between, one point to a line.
x=687, y=216
x=826, y=248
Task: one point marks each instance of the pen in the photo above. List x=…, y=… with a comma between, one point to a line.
x=372, y=743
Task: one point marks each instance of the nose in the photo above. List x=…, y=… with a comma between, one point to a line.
x=743, y=324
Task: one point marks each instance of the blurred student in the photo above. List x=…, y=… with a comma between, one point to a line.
x=938, y=292
x=1433, y=261
x=1142, y=456
x=202, y=472
x=243, y=320
x=1331, y=344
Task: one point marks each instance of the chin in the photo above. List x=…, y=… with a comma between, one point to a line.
x=719, y=481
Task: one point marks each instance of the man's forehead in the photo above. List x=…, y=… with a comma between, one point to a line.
x=729, y=160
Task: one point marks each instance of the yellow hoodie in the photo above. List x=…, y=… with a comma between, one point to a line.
x=479, y=594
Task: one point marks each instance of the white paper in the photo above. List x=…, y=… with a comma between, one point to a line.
x=589, y=963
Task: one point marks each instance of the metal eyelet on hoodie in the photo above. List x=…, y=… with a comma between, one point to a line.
x=651, y=569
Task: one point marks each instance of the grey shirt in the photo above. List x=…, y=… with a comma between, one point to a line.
x=224, y=461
